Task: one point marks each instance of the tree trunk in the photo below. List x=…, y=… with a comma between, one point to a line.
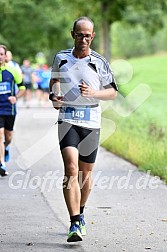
x=105, y=43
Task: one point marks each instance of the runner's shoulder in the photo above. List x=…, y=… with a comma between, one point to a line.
x=13, y=70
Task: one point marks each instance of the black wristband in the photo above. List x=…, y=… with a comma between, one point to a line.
x=51, y=94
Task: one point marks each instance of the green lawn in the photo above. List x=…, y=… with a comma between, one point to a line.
x=140, y=136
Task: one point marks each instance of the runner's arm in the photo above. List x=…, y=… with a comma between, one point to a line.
x=104, y=94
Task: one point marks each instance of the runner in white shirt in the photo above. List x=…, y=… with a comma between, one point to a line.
x=80, y=79
x=10, y=62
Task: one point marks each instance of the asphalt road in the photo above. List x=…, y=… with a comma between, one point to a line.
x=126, y=211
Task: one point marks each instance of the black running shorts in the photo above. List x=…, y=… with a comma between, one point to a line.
x=84, y=139
x=7, y=122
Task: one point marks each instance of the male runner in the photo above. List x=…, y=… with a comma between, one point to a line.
x=80, y=79
x=9, y=77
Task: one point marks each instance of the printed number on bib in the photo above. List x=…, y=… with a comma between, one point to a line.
x=82, y=114
x=5, y=87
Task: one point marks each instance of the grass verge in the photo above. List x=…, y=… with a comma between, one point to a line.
x=134, y=126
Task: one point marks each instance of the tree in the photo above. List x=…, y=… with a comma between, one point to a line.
x=106, y=12
x=30, y=26
x=147, y=13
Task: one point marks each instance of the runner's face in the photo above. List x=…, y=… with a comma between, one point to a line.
x=83, y=35
x=2, y=56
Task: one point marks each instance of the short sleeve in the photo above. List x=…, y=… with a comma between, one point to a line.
x=17, y=75
x=107, y=76
x=55, y=68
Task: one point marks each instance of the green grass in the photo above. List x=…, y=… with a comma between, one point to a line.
x=141, y=137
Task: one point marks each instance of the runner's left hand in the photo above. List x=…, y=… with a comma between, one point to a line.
x=12, y=99
x=86, y=90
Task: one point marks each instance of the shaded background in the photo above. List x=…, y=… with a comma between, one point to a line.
x=124, y=28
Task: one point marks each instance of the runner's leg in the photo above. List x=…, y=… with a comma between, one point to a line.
x=2, y=147
x=71, y=187
x=8, y=137
x=85, y=179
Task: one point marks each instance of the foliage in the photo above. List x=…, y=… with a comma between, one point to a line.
x=148, y=13
x=128, y=41
x=160, y=38
x=132, y=41
x=30, y=26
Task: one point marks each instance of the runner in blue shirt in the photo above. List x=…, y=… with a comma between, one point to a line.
x=9, y=77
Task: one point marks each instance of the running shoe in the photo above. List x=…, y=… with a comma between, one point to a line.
x=3, y=171
x=74, y=233
x=82, y=225
x=7, y=156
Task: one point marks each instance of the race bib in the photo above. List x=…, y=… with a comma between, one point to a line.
x=80, y=114
x=5, y=87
